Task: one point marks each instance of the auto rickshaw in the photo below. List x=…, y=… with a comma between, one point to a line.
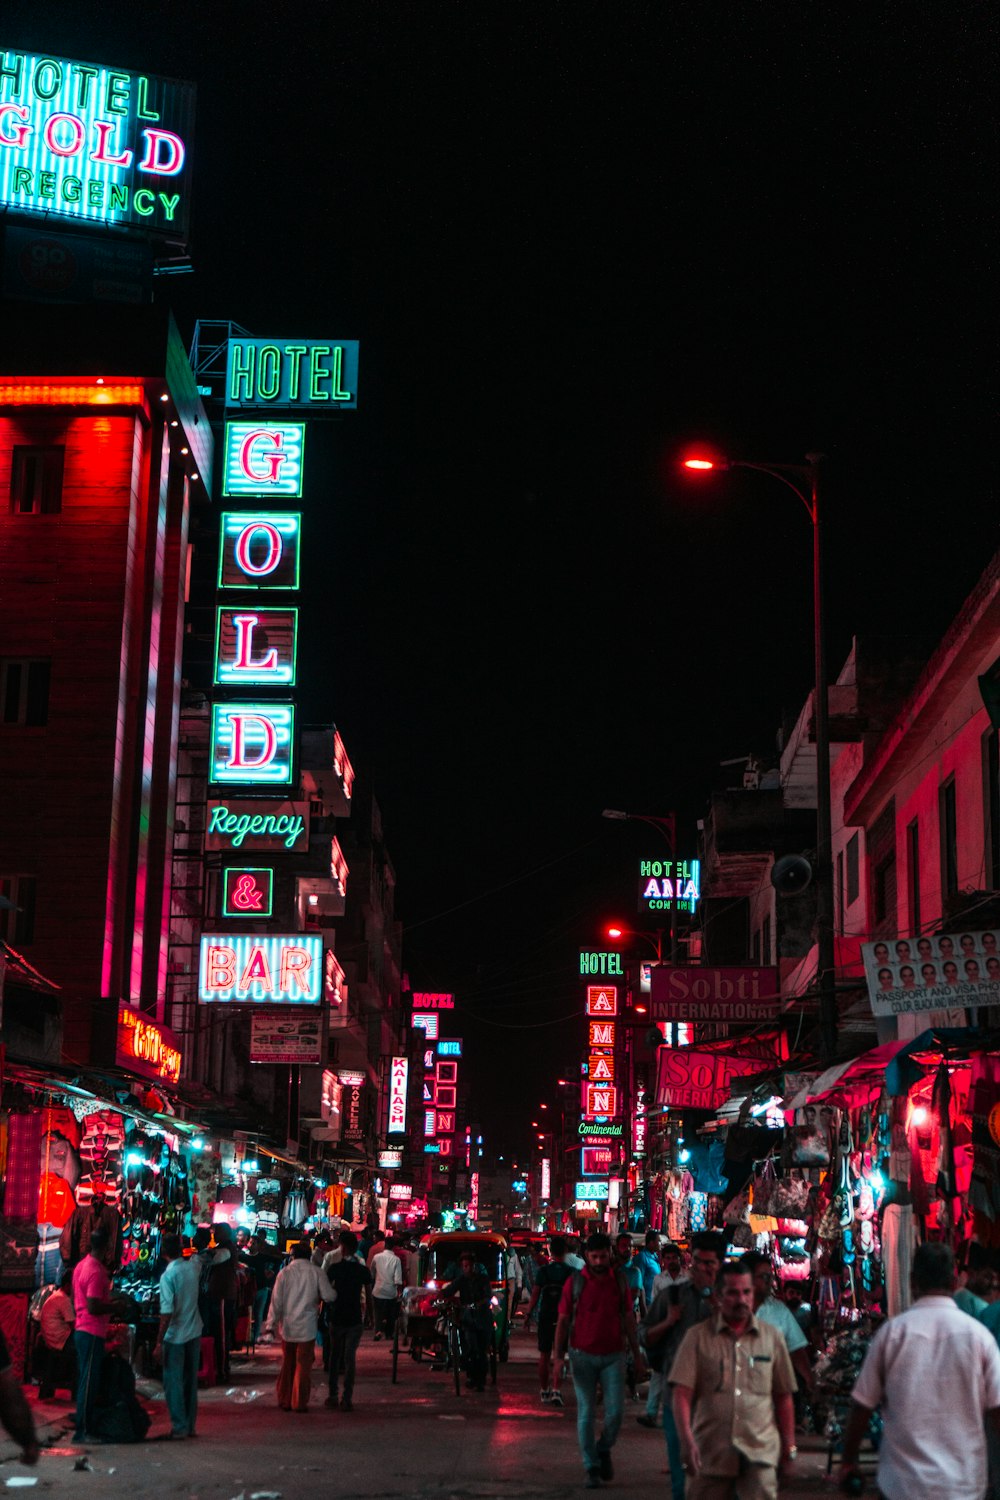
x=437, y=1265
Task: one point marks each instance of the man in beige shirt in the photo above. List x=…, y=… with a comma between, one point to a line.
x=733, y=1385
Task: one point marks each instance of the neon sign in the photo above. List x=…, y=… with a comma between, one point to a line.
x=600, y=1129
x=252, y=743
x=247, y=893
x=97, y=144
x=292, y=372
x=602, y=1000
x=270, y=826
x=600, y=1099
x=669, y=884
x=601, y=1068
x=593, y=1192
x=424, y=1001
x=259, y=550
x=451, y=1047
x=335, y=980
x=389, y=1160
x=286, y=970
x=398, y=1073
x=601, y=963
x=428, y=1022
x=430, y=1119
x=596, y=1161
x=546, y=1182
x=601, y=1034
x=256, y=647
x=146, y=1047
x=263, y=459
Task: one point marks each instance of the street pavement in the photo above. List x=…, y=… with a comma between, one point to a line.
x=416, y=1440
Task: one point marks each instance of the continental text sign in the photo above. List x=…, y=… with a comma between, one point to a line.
x=701, y=994
x=94, y=143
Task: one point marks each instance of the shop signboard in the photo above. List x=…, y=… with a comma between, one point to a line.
x=601, y=1132
x=353, y=1083
x=259, y=550
x=602, y=963
x=689, y=1079
x=257, y=827
x=596, y=1161
x=263, y=459
x=595, y=1191
x=46, y=267
x=401, y=1192
x=449, y=1047
x=427, y=1021
x=667, y=885
x=708, y=995
x=389, y=1160
x=954, y=970
x=602, y=1000
x=422, y=1000
x=599, y=1099
x=260, y=969
x=280, y=1038
x=252, y=744
x=145, y=1047
x=320, y=375
x=247, y=892
x=96, y=144
x=256, y=647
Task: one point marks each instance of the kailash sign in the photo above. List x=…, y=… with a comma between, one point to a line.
x=99, y=144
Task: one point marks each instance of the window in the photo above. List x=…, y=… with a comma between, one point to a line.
x=948, y=825
x=991, y=806
x=24, y=690
x=881, y=847
x=36, y=480
x=853, y=868
x=913, y=873
x=755, y=948
x=765, y=941
x=840, y=893
x=17, y=921
x=884, y=891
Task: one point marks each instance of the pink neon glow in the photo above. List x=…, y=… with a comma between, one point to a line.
x=238, y=760
x=243, y=542
x=245, y=625
x=169, y=162
x=103, y=129
x=80, y=134
x=21, y=132
x=51, y=393
x=271, y=462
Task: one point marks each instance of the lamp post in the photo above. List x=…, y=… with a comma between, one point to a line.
x=804, y=482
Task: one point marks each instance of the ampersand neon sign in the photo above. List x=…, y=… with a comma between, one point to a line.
x=247, y=895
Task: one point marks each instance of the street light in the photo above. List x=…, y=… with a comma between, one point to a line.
x=803, y=481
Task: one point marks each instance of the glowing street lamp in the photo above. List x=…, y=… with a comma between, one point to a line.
x=803, y=481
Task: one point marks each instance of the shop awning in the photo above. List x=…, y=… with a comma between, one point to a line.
x=858, y=1075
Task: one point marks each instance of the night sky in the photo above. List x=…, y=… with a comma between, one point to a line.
x=570, y=238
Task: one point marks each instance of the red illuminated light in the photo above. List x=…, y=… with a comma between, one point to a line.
x=50, y=393
x=615, y=932
x=699, y=463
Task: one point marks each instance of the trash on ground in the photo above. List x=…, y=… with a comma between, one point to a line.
x=240, y=1396
x=20, y=1482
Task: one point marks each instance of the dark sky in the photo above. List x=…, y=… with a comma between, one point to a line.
x=569, y=237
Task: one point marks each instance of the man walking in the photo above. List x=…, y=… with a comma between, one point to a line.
x=596, y=1322
x=648, y=1262
x=294, y=1304
x=672, y=1275
x=733, y=1386
x=473, y=1290
x=770, y=1309
x=92, y=1304
x=178, y=1341
x=545, y=1296
x=345, y=1320
x=936, y=1374
x=675, y=1309
x=387, y=1276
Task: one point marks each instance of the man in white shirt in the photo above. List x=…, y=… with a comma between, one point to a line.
x=294, y=1307
x=673, y=1273
x=178, y=1341
x=515, y=1283
x=387, y=1276
x=770, y=1309
x=935, y=1372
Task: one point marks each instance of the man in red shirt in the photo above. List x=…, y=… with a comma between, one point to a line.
x=93, y=1304
x=596, y=1322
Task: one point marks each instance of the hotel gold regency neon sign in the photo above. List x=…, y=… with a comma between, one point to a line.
x=93, y=143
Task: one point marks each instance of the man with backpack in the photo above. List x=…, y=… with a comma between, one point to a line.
x=596, y=1323
x=544, y=1304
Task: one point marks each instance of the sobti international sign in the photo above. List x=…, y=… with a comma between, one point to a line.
x=95, y=143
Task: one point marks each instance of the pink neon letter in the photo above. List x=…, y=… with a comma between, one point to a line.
x=271, y=561
x=244, y=626
x=220, y=969
x=102, y=153
x=271, y=461
x=174, y=159
x=48, y=134
x=295, y=966
x=238, y=759
x=257, y=970
x=21, y=132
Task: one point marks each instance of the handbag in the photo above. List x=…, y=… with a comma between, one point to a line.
x=810, y=1144
x=790, y=1199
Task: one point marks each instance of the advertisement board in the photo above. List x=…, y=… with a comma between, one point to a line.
x=45, y=267
x=688, y=1079
x=252, y=744
x=956, y=969
x=256, y=647
x=668, y=885
x=702, y=994
x=95, y=143
x=280, y=1038
x=259, y=969
x=145, y=1047
x=263, y=459
x=259, y=550
x=247, y=892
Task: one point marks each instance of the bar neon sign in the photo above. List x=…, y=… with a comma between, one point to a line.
x=259, y=550
x=256, y=647
x=321, y=374
x=252, y=743
x=263, y=459
x=592, y=1192
x=286, y=970
x=94, y=143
